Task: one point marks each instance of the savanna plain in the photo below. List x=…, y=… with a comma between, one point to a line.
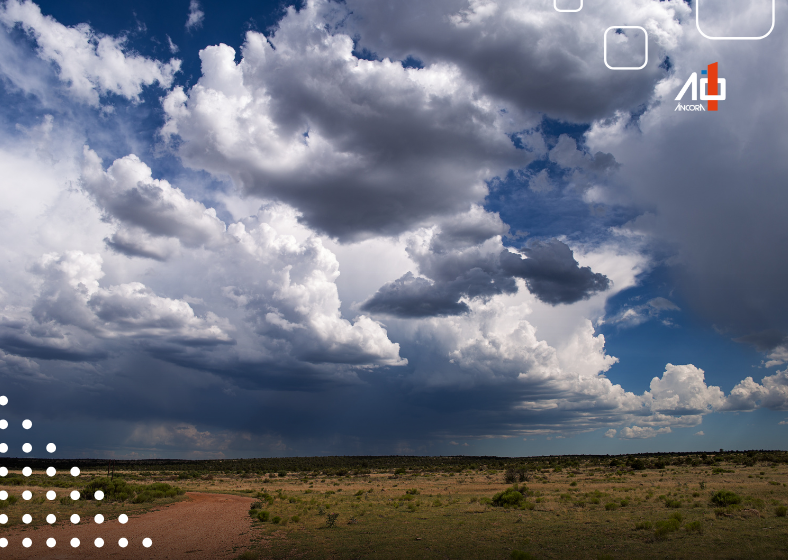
x=725, y=505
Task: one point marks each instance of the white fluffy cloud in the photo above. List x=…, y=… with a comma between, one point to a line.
x=360, y=147
x=196, y=15
x=771, y=392
x=89, y=63
x=637, y=432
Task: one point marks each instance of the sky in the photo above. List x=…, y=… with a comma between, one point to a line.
x=467, y=227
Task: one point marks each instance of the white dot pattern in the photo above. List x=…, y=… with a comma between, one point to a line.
x=27, y=494
x=123, y=543
x=3, y=519
x=51, y=495
x=51, y=447
x=51, y=542
x=27, y=518
x=3, y=424
x=27, y=471
x=99, y=495
x=75, y=495
x=27, y=424
x=74, y=471
x=3, y=400
x=27, y=543
x=99, y=518
x=123, y=518
x=27, y=448
x=146, y=542
x=51, y=518
x=51, y=471
x=3, y=447
x=99, y=542
x=75, y=519
x=3, y=495
x=3, y=543
x=75, y=542
x=3, y=471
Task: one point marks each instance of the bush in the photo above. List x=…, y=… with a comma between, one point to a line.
x=694, y=527
x=507, y=498
x=644, y=525
x=263, y=516
x=13, y=499
x=781, y=511
x=295, y=519
x=412, y=492
x=611, y=506
x=281, y=474
x=664, y=528
x=253, y=513
x=276, y=519
x=724, y=498
x=673, y=504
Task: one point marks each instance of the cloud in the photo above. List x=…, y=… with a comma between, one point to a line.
x=89, y=63
x=196, y=16
x=465, y=259
x=529, y=55
x=637, y=432
x=149, y=211
x=771, y=392
x=700, y=433
x=360, y=147
x=611, y=433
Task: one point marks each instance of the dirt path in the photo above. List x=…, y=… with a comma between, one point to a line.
x=207, y=526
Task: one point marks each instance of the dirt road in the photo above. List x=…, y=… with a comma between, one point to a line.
x=207, y=526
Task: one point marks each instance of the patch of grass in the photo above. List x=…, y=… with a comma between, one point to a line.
x=611, y=506
x=780, y=511
x=694, y=527
x=644, y=526
x=664, y=528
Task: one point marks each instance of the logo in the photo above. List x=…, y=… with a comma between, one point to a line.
x=712, y=90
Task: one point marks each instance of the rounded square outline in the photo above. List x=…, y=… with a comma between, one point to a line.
x=604, y=43
x=555, y=5
x=697, y=25
x=705, y=96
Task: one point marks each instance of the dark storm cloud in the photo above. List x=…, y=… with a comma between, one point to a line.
x=526, y=53
x=551, y=273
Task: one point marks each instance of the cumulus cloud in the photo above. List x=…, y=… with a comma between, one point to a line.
x=771, y=392
x=196, y=16
x=360, y=147
x=464, y=258
x=89, y=63
x=632, y=316
x=611, y=433
x=638, y=432
x=149, y=212
x=530, y=55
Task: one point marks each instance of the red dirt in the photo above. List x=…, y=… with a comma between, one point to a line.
x=206, y=527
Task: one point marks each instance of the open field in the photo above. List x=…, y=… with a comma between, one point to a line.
x=657, y=506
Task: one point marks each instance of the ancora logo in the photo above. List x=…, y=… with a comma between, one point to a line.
x=712, y=83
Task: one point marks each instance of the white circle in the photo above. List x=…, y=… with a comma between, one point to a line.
x=123, y=518
x=99, y=542
x=74, y=471
x=3, y=519
x=123, y=543
x=27, y=448
x=51, y=518
x=27, y=518
x=3, y=495
x=75, y=495
x=75, y=519
x=3, y=400
x=4, y=542
x=75, y=542
x=146, y=542
x=99, y=495
x=51, y=542
x=27, y=471
x=51, y=447
x=51, y=471
x=3, y=471
x=99, y=518
x=27, y=494
x=27, y=424
x=3, y=447
x=51, y=495
x=26, y=543
x=3, y=424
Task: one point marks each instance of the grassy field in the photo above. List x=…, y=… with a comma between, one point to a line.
x=575, y=507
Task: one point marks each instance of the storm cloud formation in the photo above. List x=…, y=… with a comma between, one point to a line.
x=302, y=241
x=549, y=270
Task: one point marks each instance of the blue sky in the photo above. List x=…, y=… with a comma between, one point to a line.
x=352, y=228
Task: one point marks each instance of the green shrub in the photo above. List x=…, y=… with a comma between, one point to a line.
x=281, y=474
x=295, y=519
x=65, y=500
x=644, y=525
x=677, y=516
x=781, y=511
x=253, y=513
x=664, y=528
x=694, y=527
x=611, y=506
x=725, y=498
x=673, y=504
x=263, y=516
x=14, y=499
x=624, y=502
x=276, y=519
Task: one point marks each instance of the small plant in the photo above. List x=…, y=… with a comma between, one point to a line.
x=295, y=519
x=694, y=527
x=573, y=483
x=331, y=520
x=611, y=506
x=263, y=516
x=624, y=502
x=644, y=525
x=412, y=492
x=781, y=511
x=725, y=498
x=673, y=504
x=276, y=519
x=664, y=528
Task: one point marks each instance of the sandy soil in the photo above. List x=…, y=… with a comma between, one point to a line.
x=207, y=526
